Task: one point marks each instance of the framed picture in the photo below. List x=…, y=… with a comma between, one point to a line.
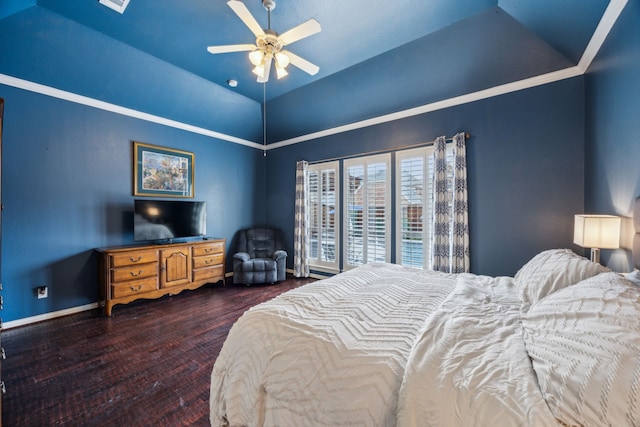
x=160, y=171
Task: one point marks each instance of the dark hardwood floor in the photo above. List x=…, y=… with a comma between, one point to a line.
x=147, y=365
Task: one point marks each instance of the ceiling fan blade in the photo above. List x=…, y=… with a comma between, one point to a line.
x=267, y=70
x=243, y=13
x=231, y=48
x=303, y=64
x=303, y=30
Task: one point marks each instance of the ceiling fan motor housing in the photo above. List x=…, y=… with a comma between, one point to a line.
x=269, y=42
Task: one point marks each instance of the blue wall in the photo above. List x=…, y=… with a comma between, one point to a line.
x=67, y=188
x=525, y=169
x=612, y=140
x=536, y=157
x=489, y=47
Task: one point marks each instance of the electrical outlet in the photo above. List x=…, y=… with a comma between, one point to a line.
x=42, y=291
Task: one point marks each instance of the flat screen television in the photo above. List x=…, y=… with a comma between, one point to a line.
x=168, y=219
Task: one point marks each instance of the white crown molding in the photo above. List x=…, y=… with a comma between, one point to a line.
x=610, y=16
x=95, y=103
x=542, y=79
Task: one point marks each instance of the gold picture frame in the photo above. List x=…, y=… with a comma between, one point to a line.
x=162, y=172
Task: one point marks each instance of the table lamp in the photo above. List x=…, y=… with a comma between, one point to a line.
x=597, y=232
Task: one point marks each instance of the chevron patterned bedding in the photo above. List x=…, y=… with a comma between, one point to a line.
x=385, y=345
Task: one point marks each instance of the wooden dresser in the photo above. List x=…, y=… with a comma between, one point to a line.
x=128, y=273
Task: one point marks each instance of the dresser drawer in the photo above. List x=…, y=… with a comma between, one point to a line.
x=133, y=258
x=207, y=261
x=213, y=248
x=134, y=287
x=134, y=272
x=209, y=273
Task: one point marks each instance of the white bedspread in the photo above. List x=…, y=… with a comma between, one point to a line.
x=330, y=353
x=381, y=345
x=470, y=366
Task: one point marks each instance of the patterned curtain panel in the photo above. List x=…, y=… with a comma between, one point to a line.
x=450, y=252
x=460, y=219
x=441, y=251
x=300, y=246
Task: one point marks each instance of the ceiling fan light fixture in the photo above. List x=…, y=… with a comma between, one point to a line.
x=269, y=43
x=282, y=60
x=280, y=71
x=259, y=70
x=256, y=57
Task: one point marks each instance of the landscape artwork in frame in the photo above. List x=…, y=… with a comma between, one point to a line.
x=160, y=171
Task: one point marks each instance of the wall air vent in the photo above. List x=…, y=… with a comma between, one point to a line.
x=117, y=5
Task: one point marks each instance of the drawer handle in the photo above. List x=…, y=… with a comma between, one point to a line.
x=132, y=259
x=208, y=250
x=136, y=288
x=134, y=274
x=208, y=261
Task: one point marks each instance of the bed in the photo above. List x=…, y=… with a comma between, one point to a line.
x=386, y=345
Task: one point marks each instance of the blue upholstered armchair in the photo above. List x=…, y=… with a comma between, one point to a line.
x=259, y=257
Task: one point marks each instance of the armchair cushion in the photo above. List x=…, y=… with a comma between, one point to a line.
x=242, y=256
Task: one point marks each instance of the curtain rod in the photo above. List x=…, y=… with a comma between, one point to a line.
x=389, y=150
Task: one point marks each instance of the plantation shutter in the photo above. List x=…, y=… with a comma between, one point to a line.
x=324, y=199
x=414, y=205
x=367, y=210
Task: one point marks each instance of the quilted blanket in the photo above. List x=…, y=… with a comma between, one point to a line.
x=470, y=366
x=330, y=353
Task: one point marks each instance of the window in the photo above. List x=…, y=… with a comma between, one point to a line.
x=324, y=219
x=367, y=208
x=365, y=234
x=414, y=209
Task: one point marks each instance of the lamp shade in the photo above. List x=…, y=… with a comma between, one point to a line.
x=597, y=231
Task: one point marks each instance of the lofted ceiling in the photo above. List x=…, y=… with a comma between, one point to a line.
x=367, y=45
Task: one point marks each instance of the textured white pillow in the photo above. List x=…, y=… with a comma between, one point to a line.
x=584, y=343
x=633, y=277
x=552, y=270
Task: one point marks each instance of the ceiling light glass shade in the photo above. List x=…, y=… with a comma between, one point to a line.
x=280, y=71
x=282, y=60
x=256, y=57
x=259, y=70
x=597, y=231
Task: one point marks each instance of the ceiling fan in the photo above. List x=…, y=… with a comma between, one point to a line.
x=269, y=46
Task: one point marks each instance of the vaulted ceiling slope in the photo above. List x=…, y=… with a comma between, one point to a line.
x=375, y=57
